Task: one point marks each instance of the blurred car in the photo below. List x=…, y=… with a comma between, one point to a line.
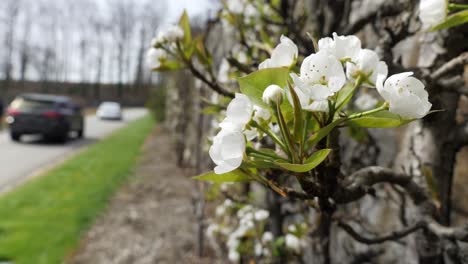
x=109, y=111
x=49, y=115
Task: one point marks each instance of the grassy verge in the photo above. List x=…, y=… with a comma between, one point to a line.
x=41, y=221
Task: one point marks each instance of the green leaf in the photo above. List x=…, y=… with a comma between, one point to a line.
x=313, y=161
x=344, y=96
x=453, y=20
x=167, y=65
x=382, y=119
x=202, y=53
x=323, y=132
x=259, y=164
x=233, y=176
x=184, y=23
x=298, y=120
x=255, y=83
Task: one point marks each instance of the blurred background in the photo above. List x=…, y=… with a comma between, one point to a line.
x=91, y=50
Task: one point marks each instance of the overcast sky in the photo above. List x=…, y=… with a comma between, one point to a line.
x=194, y=8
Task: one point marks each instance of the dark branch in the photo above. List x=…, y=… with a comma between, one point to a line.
x=462, y=134
x=455, y=233
x=364, y=179
x=213, y=85
x=393, y=236
x=299, y=195
x=456, y=63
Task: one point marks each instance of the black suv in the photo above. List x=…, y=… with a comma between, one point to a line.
x=49, y=115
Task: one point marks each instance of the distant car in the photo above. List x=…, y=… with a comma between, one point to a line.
x=109, y=111
x=49, y=115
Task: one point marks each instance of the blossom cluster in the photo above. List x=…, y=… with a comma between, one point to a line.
x=339, y=62
x=157, y=54
x=242, y=229
x=245, y=233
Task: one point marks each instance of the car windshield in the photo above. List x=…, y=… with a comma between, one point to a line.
x=113, y=106
x=32, y=105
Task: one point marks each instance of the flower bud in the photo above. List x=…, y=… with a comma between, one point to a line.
x=273, y=94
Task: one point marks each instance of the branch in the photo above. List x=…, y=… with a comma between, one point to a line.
x=383, y=11
x=458, y=62
x=455, y=233
x=213, y=85
x=393, y=236
x=462, y=134
x=365, y=178
x=297, y=195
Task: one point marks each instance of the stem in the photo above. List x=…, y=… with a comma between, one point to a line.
x=366, y=113
x=285, y=133
x=264, y=154
x=358, y=83
x=455, y=7
x=270, y=134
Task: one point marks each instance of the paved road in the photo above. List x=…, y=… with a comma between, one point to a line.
x=19, y=160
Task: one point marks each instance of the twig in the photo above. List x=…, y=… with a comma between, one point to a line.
x=393, y=236
x=459, y=61
x=365, y=178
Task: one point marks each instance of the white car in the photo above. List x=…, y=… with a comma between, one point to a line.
x=109, y=111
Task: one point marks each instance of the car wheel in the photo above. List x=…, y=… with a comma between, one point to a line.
x=80, y=133
x=15, y=136
x=62, y=138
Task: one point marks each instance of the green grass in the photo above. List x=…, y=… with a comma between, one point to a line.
x=42, y=221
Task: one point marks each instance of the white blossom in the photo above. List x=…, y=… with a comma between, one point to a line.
x=154, y=57
x=258, y=249
x=238, y=113
x=261, y=215
x=223, y=73
x=292, y=228
x=293, y=243
x=228, y=149
x=365, y=101
x=244, y=210
x=267, y=237
x=174, y=33
x=220, y=210
x=405, y=94
x=284, y=55
x=211, y=230
x=159, y=39
x=342, y=47
x=322, y=75
x=368, y=64
x=234, y=256
x=432, y=12
x=261, y=114
x=250, y=134
x=236, y=6
x=272, y=94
